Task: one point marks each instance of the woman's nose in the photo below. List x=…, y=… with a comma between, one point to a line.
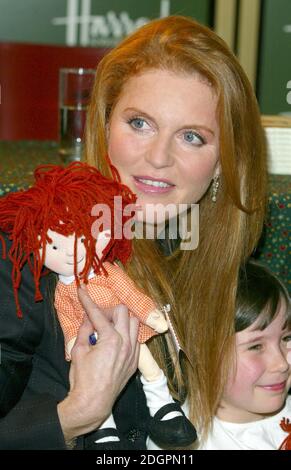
x=159, y=154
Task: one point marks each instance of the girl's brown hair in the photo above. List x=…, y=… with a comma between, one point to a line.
x=259, y=297
x=200, y=285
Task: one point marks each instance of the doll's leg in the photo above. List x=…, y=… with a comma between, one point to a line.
x=154, y=383
x=107, y=438
x=109, y=433
x=169, y=425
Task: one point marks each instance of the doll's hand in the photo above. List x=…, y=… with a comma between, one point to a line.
x=98, y=373
x=157, y=321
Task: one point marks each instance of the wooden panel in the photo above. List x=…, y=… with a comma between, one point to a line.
x=225, y=20
x=248, y=36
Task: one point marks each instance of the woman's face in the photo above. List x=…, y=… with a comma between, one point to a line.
x=259, y=385
x=163, y=137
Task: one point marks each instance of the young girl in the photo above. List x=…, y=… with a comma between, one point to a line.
x=255, y=410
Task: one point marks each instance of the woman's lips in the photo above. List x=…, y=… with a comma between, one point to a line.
x=152, y=185
x=279, y=387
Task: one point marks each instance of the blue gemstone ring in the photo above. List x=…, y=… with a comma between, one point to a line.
x=93, y=339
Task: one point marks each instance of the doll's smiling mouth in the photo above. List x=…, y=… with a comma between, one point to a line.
x=78, y=262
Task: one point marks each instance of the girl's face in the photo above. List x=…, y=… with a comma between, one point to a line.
x=260, y=383
x=163, y=137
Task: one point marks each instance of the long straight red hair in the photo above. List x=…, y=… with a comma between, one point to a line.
x=201, y=284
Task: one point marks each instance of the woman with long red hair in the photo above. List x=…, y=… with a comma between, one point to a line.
x=175, y=114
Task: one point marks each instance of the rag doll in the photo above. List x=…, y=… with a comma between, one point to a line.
x=77, y=223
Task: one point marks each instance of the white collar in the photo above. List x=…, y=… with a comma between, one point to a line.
x=70, y=279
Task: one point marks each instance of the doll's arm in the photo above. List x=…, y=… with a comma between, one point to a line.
x=70, y=313
x=137, y=302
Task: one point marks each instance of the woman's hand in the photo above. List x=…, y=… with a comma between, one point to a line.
x=98, y=373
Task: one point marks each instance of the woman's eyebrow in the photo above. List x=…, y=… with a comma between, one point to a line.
x=199, y=126
x=137, y=111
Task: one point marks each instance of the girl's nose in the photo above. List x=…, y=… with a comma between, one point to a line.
x=279, y=361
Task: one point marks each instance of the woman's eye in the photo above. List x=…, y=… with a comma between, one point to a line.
x=137, y=123
x=193, y=138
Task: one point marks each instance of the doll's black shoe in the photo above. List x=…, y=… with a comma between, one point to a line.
x=91, y=444
x=175, y=432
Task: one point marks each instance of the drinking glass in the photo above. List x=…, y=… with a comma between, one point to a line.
x=75, y=86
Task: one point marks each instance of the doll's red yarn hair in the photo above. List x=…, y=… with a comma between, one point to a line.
x=61, y=199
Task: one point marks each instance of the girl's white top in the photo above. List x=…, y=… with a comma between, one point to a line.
x=265, y=434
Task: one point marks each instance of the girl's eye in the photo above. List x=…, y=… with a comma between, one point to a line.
x=192, y=137
x=54, y=247
x=287, y=338
x=255, y=347
x=82, y=240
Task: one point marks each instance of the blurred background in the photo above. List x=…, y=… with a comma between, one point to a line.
x=258, y=31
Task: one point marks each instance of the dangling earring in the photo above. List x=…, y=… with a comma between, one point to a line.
x=215, y=186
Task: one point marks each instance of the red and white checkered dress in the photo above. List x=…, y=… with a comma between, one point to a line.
x=105, y=291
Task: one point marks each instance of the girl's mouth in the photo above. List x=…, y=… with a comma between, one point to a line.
x=278, y=387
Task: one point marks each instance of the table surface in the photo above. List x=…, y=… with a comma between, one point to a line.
x=18, y=160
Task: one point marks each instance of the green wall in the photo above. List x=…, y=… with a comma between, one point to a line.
x=87, y=22
x=274, y=72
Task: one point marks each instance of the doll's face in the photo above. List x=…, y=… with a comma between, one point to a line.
x=59, y=255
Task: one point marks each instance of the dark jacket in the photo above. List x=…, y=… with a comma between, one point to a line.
x=34, y=374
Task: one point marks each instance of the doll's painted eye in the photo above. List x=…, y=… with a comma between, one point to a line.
x=54, y=247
